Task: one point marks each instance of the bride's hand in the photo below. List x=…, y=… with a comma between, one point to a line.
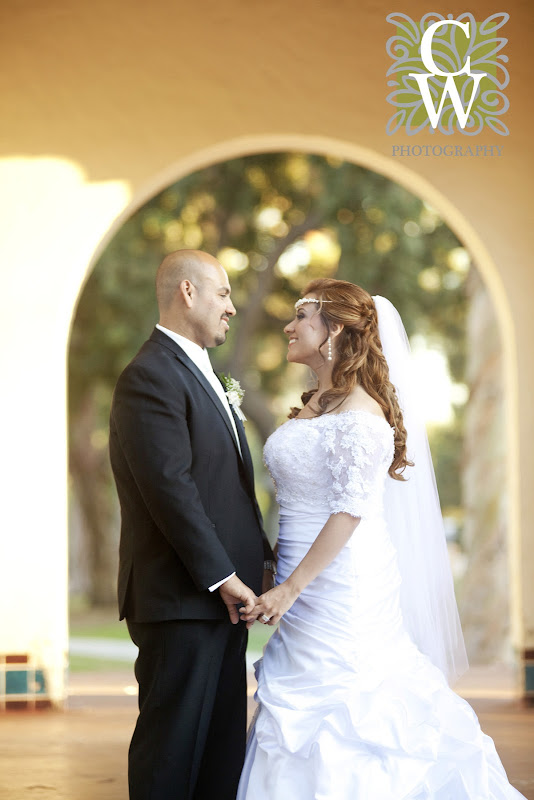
x=272, y=604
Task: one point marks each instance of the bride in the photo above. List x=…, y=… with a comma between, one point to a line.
x=353, y=698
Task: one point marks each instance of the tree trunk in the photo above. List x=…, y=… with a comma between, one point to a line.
x=92, y=480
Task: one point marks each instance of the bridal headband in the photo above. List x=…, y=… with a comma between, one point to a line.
x=303, y=300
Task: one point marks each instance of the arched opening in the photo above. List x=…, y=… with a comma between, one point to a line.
x=447, y=211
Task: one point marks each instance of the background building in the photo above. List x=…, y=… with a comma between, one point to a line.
x=105, y=105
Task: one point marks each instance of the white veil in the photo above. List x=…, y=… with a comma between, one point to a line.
x=414, y=519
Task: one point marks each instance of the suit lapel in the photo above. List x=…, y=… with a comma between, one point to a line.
x=247, y=458
x=166, y=341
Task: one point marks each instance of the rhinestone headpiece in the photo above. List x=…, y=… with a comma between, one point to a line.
x=303, y=300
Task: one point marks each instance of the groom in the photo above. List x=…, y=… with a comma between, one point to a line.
x=192, y=544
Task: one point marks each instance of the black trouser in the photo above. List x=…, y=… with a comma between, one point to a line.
x=189, y=741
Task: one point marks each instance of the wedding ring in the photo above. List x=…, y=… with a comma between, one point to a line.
x=265, y=618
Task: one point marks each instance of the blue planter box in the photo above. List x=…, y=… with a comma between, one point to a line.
x=23, y=681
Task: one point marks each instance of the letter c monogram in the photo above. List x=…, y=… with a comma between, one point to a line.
x=426, y=48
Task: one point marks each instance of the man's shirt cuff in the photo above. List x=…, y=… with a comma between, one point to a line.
x=216, y=585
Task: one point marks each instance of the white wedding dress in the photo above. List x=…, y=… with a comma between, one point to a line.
x=349, y=708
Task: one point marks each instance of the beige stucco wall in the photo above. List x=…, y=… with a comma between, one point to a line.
x=106, y=102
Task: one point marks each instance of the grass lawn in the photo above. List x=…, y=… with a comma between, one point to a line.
x=103, y=624
x=99, y=630
x=258, y=636
x=86, y=664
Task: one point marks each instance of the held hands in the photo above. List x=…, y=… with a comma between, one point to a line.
x=235, y=592
x=272, y=604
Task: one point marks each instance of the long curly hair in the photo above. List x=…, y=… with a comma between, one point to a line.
x=358, y=358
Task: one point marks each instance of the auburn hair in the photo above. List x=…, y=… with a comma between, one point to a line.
x=358, y=358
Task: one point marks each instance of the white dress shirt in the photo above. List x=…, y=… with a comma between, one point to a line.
x=199, y=356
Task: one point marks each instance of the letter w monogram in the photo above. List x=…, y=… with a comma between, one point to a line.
x=451, y=89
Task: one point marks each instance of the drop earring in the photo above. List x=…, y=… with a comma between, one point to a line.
x=329, y=348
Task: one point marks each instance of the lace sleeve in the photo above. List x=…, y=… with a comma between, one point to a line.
x=357, y=457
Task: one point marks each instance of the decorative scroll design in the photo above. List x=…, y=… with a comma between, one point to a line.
x=450, y=50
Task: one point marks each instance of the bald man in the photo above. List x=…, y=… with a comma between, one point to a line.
x=192, y=545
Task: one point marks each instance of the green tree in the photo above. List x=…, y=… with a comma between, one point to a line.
x=275, y=221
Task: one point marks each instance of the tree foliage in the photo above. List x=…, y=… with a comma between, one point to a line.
x=275, y=221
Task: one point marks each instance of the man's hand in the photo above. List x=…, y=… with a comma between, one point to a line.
x=273, y=604
x=234, y=592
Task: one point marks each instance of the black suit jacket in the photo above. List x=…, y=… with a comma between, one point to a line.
x=189, y=516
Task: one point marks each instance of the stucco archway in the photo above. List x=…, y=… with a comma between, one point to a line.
x=457, y=222
x=49, y=273
x=98, y=102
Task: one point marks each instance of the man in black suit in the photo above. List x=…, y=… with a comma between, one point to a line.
x=192, y=545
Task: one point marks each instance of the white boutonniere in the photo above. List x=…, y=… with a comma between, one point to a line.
x=234, y=394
